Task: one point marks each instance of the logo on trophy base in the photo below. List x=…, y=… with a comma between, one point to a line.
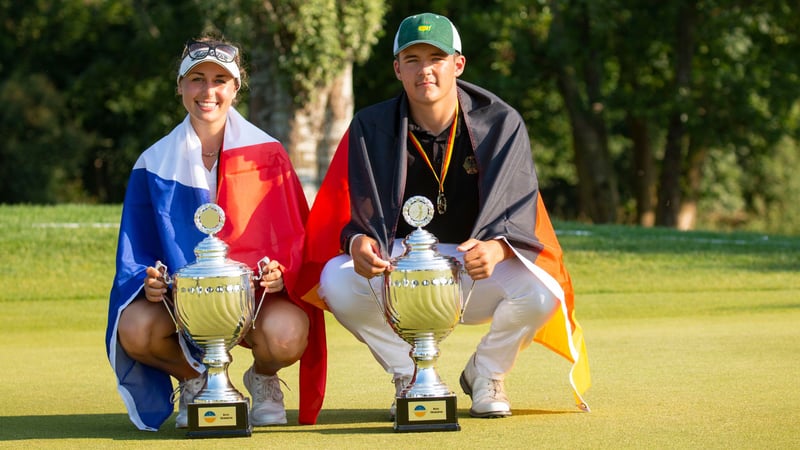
x=208, y=420
x=422, y=303
x=426, y=414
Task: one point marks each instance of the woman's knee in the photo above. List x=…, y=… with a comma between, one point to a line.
x=281, y=331
x=139, y=325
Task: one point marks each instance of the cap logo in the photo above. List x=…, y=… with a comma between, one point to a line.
x=424, y=28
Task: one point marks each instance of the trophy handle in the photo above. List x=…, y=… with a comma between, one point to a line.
x=375, y=296
x=466, y=301
x=162, y=268
x=262, y=264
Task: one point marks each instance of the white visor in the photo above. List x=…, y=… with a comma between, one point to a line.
x=188, y=63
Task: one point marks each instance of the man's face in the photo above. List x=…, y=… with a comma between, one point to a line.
x=428, y=74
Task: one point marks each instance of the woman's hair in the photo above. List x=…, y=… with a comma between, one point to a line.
x=216, y=39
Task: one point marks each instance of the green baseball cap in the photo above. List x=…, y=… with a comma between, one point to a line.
x=430, y=29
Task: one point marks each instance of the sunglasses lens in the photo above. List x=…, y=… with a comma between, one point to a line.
x=225, y=53
x=198, y=50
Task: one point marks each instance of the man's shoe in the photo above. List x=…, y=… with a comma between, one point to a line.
x=187, y=390
x=268, y=408
x=489, y=399
x=399, y=384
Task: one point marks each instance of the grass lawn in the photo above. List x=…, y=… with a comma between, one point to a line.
x=692, y=337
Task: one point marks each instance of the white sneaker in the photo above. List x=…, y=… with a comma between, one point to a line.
x=267, y=406
x=489, y=397
x=400, y=382
x=187, y=390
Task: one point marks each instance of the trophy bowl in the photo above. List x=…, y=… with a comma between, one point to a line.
x=214, y=308
x=214, y=313
x=423, y=303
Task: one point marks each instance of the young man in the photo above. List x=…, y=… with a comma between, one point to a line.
x=468, y=151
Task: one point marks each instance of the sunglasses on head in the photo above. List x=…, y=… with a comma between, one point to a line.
x=199, y=50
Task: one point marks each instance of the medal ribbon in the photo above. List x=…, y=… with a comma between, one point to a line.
x=448, y=155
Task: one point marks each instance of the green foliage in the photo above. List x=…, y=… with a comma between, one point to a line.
x=310, y=39
x=320, y=35
x=37, y=160
x=722, y=201
x=774, y=200
x=107, y=70
x=88, y=85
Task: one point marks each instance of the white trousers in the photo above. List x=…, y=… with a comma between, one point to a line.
x=514, y=300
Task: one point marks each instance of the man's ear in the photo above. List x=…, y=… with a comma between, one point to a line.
x=396, y=66
x=460, y=62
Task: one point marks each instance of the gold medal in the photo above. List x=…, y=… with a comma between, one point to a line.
x=441, y=201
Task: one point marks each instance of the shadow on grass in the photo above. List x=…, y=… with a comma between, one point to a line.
x=362, y=416
x=118, y=427
x=376, y=421
x=74, y=426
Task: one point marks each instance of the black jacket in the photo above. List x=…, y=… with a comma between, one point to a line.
x=508, y=187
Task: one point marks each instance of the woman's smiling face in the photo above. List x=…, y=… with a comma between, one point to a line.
x=208, y=91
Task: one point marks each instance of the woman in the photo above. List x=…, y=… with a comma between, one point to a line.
x=214, y=155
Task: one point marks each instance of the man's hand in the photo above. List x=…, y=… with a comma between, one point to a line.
x=366, y=256
x=480, y=257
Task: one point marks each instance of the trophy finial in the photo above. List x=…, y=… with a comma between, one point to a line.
x=418, y=211
x=209, y=218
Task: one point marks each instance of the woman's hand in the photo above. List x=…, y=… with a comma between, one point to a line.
x=272, y=278
x=154, y=285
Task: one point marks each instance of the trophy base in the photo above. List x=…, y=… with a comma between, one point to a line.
x=426, y=414
x=222, y=419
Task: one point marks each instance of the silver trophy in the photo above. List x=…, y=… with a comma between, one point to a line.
x=214, y=308
x=423, y=302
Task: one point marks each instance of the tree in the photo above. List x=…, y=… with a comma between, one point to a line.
x=91, y=86
x=677, y=114
x=577, y=55
x=692, y=77
x=669, y=194
x=35, y=120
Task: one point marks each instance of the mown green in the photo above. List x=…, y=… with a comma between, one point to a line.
x=692, y=338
